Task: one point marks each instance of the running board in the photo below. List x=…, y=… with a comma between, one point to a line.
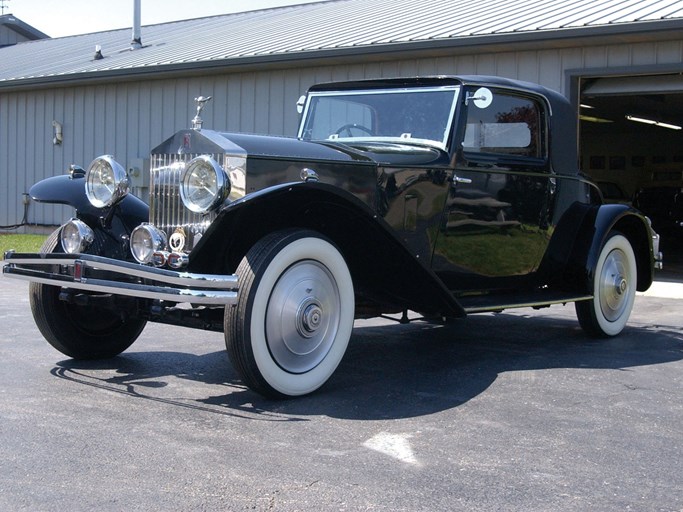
x=493, y=303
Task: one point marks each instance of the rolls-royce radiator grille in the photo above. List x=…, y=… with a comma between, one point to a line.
x=166, y=209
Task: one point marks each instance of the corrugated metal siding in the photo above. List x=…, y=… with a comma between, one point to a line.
x=127, y=119
x=8, y=36
x=124, y=120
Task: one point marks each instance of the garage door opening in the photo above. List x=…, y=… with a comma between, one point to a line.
x=631, y=144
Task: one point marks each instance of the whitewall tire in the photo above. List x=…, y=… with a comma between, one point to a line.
x=614, y=289
x=292, y=323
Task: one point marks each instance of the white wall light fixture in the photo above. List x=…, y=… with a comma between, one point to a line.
x=57, y=136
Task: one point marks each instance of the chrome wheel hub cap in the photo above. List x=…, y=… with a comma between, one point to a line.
x=302, y=316
x=621, y=285
x=309, y=318
x=614, y=285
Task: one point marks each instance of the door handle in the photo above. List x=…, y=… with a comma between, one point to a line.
x=458, y=179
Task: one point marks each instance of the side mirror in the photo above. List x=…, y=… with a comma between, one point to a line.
x=300, y=103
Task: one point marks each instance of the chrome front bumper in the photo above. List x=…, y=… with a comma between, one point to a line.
x=79, y=271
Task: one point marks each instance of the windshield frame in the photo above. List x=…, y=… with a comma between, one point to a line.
x=404, y=138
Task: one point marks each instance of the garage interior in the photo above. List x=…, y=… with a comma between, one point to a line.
x=631, y=144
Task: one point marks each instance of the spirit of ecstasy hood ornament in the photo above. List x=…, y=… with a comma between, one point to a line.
x=201, y=102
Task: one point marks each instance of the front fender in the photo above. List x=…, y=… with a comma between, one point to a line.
x=70, y=191
x=381, y=265
x=111, y=227
x=63, y=189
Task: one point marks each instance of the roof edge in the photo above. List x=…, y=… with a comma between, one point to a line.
x=511, y=41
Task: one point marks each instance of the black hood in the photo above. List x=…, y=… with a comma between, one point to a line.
x=291, y=149
x=382, y=153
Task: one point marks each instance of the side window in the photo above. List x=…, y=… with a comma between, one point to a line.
x=502, y=123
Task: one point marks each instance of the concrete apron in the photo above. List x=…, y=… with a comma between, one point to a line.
x=664, y=289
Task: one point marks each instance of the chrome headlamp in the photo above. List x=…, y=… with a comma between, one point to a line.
x=145, y=240
x=76, y=236
x=106, y=182
x=204, y=185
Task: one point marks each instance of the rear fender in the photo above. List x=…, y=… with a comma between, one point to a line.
x=379, y=262
x=600, y=221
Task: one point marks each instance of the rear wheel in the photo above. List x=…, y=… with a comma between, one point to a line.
x=80, y=332
x=294, y=317
x=614, y=289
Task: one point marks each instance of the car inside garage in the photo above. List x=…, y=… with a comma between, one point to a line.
x=631, y=144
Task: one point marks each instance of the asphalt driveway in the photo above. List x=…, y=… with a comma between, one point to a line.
x=510, y=411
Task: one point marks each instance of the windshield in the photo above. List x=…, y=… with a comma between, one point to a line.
x=420, y=115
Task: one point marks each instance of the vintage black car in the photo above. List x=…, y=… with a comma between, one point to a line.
x=443, y=195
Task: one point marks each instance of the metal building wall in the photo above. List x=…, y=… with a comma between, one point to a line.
x=8, y=36
x=127, y=119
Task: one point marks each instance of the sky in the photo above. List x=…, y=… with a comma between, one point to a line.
x=58, y=18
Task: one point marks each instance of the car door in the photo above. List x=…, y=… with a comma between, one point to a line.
x=496, y=227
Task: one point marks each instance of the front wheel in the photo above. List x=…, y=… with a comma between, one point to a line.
x=80, y=332
x=614, y=289
x=293, y=320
